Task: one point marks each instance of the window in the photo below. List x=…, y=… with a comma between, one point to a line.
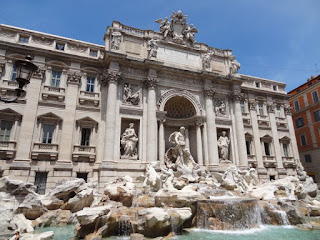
x=82, y=175
x=60, y=46
x=93, y=53
x=260, y=108
x=257, y=84
x=267, y=148
x=48, y=130
x=248, y=147
x=90, y=84
x=285, y=147
x=85, y=136
x=243, y=107
x=55, y=79
x=296, y=105
x=5, y=130
x=315, y=96
x=40, y=182
x=303, y=140
x=23, y=39
x=307, y=158
x=274, y=88
x=14, y=73
x=317, y=115
x=299, y=122
x=272, y=177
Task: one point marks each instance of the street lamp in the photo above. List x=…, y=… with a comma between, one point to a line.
x=25, y=69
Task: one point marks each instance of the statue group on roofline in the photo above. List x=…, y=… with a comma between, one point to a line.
x=177, y=29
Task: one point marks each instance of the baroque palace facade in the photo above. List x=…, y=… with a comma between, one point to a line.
x=99, y=112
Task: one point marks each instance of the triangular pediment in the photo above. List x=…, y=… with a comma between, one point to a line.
x=49, y=115
x=266, y=136
x=9, y=111
x=285, y=138
x=87, y=120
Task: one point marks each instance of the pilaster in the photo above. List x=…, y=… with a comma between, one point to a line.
x=287, y=111
x=66, y=148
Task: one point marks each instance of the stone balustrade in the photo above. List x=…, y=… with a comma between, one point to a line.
x=8, y=148
x=45, y=151
x=84, y=153
x=89, y=98
x=53, y=93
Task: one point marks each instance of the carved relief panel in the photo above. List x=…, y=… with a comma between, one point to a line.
x=131, y=94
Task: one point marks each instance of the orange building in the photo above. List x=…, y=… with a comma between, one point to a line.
x=305, y=103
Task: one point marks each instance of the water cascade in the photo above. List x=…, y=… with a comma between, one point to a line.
x=228, y=214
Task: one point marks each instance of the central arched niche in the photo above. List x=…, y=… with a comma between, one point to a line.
x=179, y=107
x=180, y=111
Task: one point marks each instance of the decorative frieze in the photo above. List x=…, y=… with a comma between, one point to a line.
x=134, y=71
x=39, y=73
x=42, y=41
x=270, y=107
x=77, y=48
x=8, y=34
x=74, y=77
x=252, y=104
x=287, y=109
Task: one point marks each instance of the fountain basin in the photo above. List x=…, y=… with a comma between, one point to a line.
x=228, y=214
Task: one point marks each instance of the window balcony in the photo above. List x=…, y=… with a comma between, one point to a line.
x=288, y=162
x=269, y=161
x=252, y=160
x=89, y=98
x=7, y=89
x=8, y=149
x=53, y=93
x=84, y=153
x=44, y=151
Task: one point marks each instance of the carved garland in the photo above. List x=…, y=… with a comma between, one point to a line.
x=182, y=93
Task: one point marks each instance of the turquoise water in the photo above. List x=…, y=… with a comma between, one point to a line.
x=263, y=233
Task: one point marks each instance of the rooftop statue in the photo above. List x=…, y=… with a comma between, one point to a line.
x=177, y=30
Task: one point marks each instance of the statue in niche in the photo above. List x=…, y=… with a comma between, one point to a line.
x=235, y=66
x=223, y=144
x=128, y=97
x=221, y=108
x=129, y=141
x=116, y=40
x=179, y=157
x=153, y=47
x=206, y=60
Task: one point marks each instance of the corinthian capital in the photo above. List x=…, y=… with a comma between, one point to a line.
x=236, y=96
x=74, y=77
x=109, y=76
x=209, y=92
x=151, y=82
x=270, y=107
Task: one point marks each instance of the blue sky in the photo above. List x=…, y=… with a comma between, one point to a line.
x=274, y=39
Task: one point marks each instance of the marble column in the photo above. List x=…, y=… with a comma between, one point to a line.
x=199, y=144
x=211, y=128
x=294, y=145
x=113, y=77
x=68, y=125
x=151, y=83
x=161, y=141
x=205, y=145
x=256, y=136
x=187, y=139
x=241, y=141
x=274, y=130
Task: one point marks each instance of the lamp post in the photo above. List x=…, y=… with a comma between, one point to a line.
x=25, y=69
